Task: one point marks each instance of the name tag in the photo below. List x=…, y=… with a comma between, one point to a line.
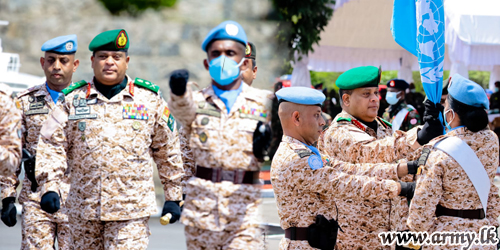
x=78, y=117
x=36, y=111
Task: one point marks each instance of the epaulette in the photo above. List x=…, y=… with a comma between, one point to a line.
x=146, y=84
x=27, y=91
x=386, y=122
x=303, y=153
x=344, y=119
x=73, y=86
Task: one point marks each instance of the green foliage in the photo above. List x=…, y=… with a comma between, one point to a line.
x=327, y=78
x=134, y=7
x=481, y=77
x=301, y=23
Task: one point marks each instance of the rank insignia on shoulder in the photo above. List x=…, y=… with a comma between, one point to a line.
x=315, y=162
x=73, y=86
x=343, y=119
x=146, y=84
x=135, y=111
x=167, y=117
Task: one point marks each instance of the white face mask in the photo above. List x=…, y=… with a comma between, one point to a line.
x=446, y=123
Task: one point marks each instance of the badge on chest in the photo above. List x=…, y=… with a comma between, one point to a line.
x=135, y=111
x=36, y=106
x=82, y=110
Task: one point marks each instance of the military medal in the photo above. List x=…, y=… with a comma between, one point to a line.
x=136, y=125
x=203, y=137
x=135, y=111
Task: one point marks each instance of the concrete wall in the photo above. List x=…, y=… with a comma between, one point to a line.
x=160, y=41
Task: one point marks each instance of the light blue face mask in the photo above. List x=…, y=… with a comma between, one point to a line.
x=446, y=124
x=223, y=70
x=496, y=89
x=391, y=97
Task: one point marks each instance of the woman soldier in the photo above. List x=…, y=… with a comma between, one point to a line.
x=455, y=190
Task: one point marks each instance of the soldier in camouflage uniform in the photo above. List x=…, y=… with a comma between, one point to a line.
x=446, y=198
x=107, y=135
x=307, y=183
x=10, y=129
x=39, y=228
x=357, y=135
x=220, y=210
x=402, y=115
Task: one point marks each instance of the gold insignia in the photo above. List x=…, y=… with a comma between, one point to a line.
x=121, y=40
x=203, y=137
x=248, y=50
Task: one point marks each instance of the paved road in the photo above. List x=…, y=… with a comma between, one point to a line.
x=169, y=237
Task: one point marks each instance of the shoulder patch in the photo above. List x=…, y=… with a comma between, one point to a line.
x=303, y=153
x=386, y=122
x=315, y=162
x=73, y=86
x=344, y=119
x=146, y=84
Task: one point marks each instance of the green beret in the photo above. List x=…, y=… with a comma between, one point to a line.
x=360, y=77
x=250, y=51
x=112, y=40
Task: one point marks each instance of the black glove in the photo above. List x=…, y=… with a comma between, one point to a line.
x=407, y=189
x=432, y=110
x=50, y=202
x=412, y=167
x=433, y=126
x=9, y=211
x=261, y=140
x=173, y=208
x=178, y=81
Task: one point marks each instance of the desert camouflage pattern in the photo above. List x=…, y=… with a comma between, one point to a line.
x=221, y=140
x=411, y=120
x=110, y=157
x=10, y=128
x=302, y=193
x=347, y=142
x=120, y=235
x=40, y=229
x=243, y=239
x=443, y=181
x=187, y=157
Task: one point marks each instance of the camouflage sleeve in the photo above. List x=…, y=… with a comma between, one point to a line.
x=10, y=142
x=382, y=170
x=167, y=154
x=183, y=107
x=330, y=181
x=188, y=161
x=493, y=207
x=51, y=160
x=9, y=183
x=427, y=194
x=359, y=147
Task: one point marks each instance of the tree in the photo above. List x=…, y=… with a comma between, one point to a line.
x=301, y=23
x=134, y=7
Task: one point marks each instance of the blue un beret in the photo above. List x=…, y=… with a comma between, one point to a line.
x=61, y=45
x=301, y=95
x=468, y=92
x=230, y=30
x=398, y=84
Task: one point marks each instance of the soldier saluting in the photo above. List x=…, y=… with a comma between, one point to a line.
x=108, y=133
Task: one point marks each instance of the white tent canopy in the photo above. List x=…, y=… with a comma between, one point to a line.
x=359, y=34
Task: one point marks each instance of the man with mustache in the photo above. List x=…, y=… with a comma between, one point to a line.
x=39, y=228
x=108, y=133
x=357, y=135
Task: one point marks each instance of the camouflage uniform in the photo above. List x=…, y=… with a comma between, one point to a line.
x=349, y=140
x=38, y=226
x=10, y=123
x=109, y=147
x=221, y=140
x=444, y=182
x=411, y=120
x=303, y=193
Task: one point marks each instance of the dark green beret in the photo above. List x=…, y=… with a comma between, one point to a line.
x=250, y=51
x=360, y=77
x=112, y=40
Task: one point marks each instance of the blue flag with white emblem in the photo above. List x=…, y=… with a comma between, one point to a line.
x=418, y=26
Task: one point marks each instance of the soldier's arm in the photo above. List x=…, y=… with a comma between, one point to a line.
x=188, y=159
x=51, y=159
x=428, y=192
x=391, y=171
x=10, y=141
x=493, y=207
x=167, y=154
x=329, y=181
x=183, y=107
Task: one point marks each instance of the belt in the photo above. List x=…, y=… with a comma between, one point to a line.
x=234, y=176
x=296, y=233
x=466, y=214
